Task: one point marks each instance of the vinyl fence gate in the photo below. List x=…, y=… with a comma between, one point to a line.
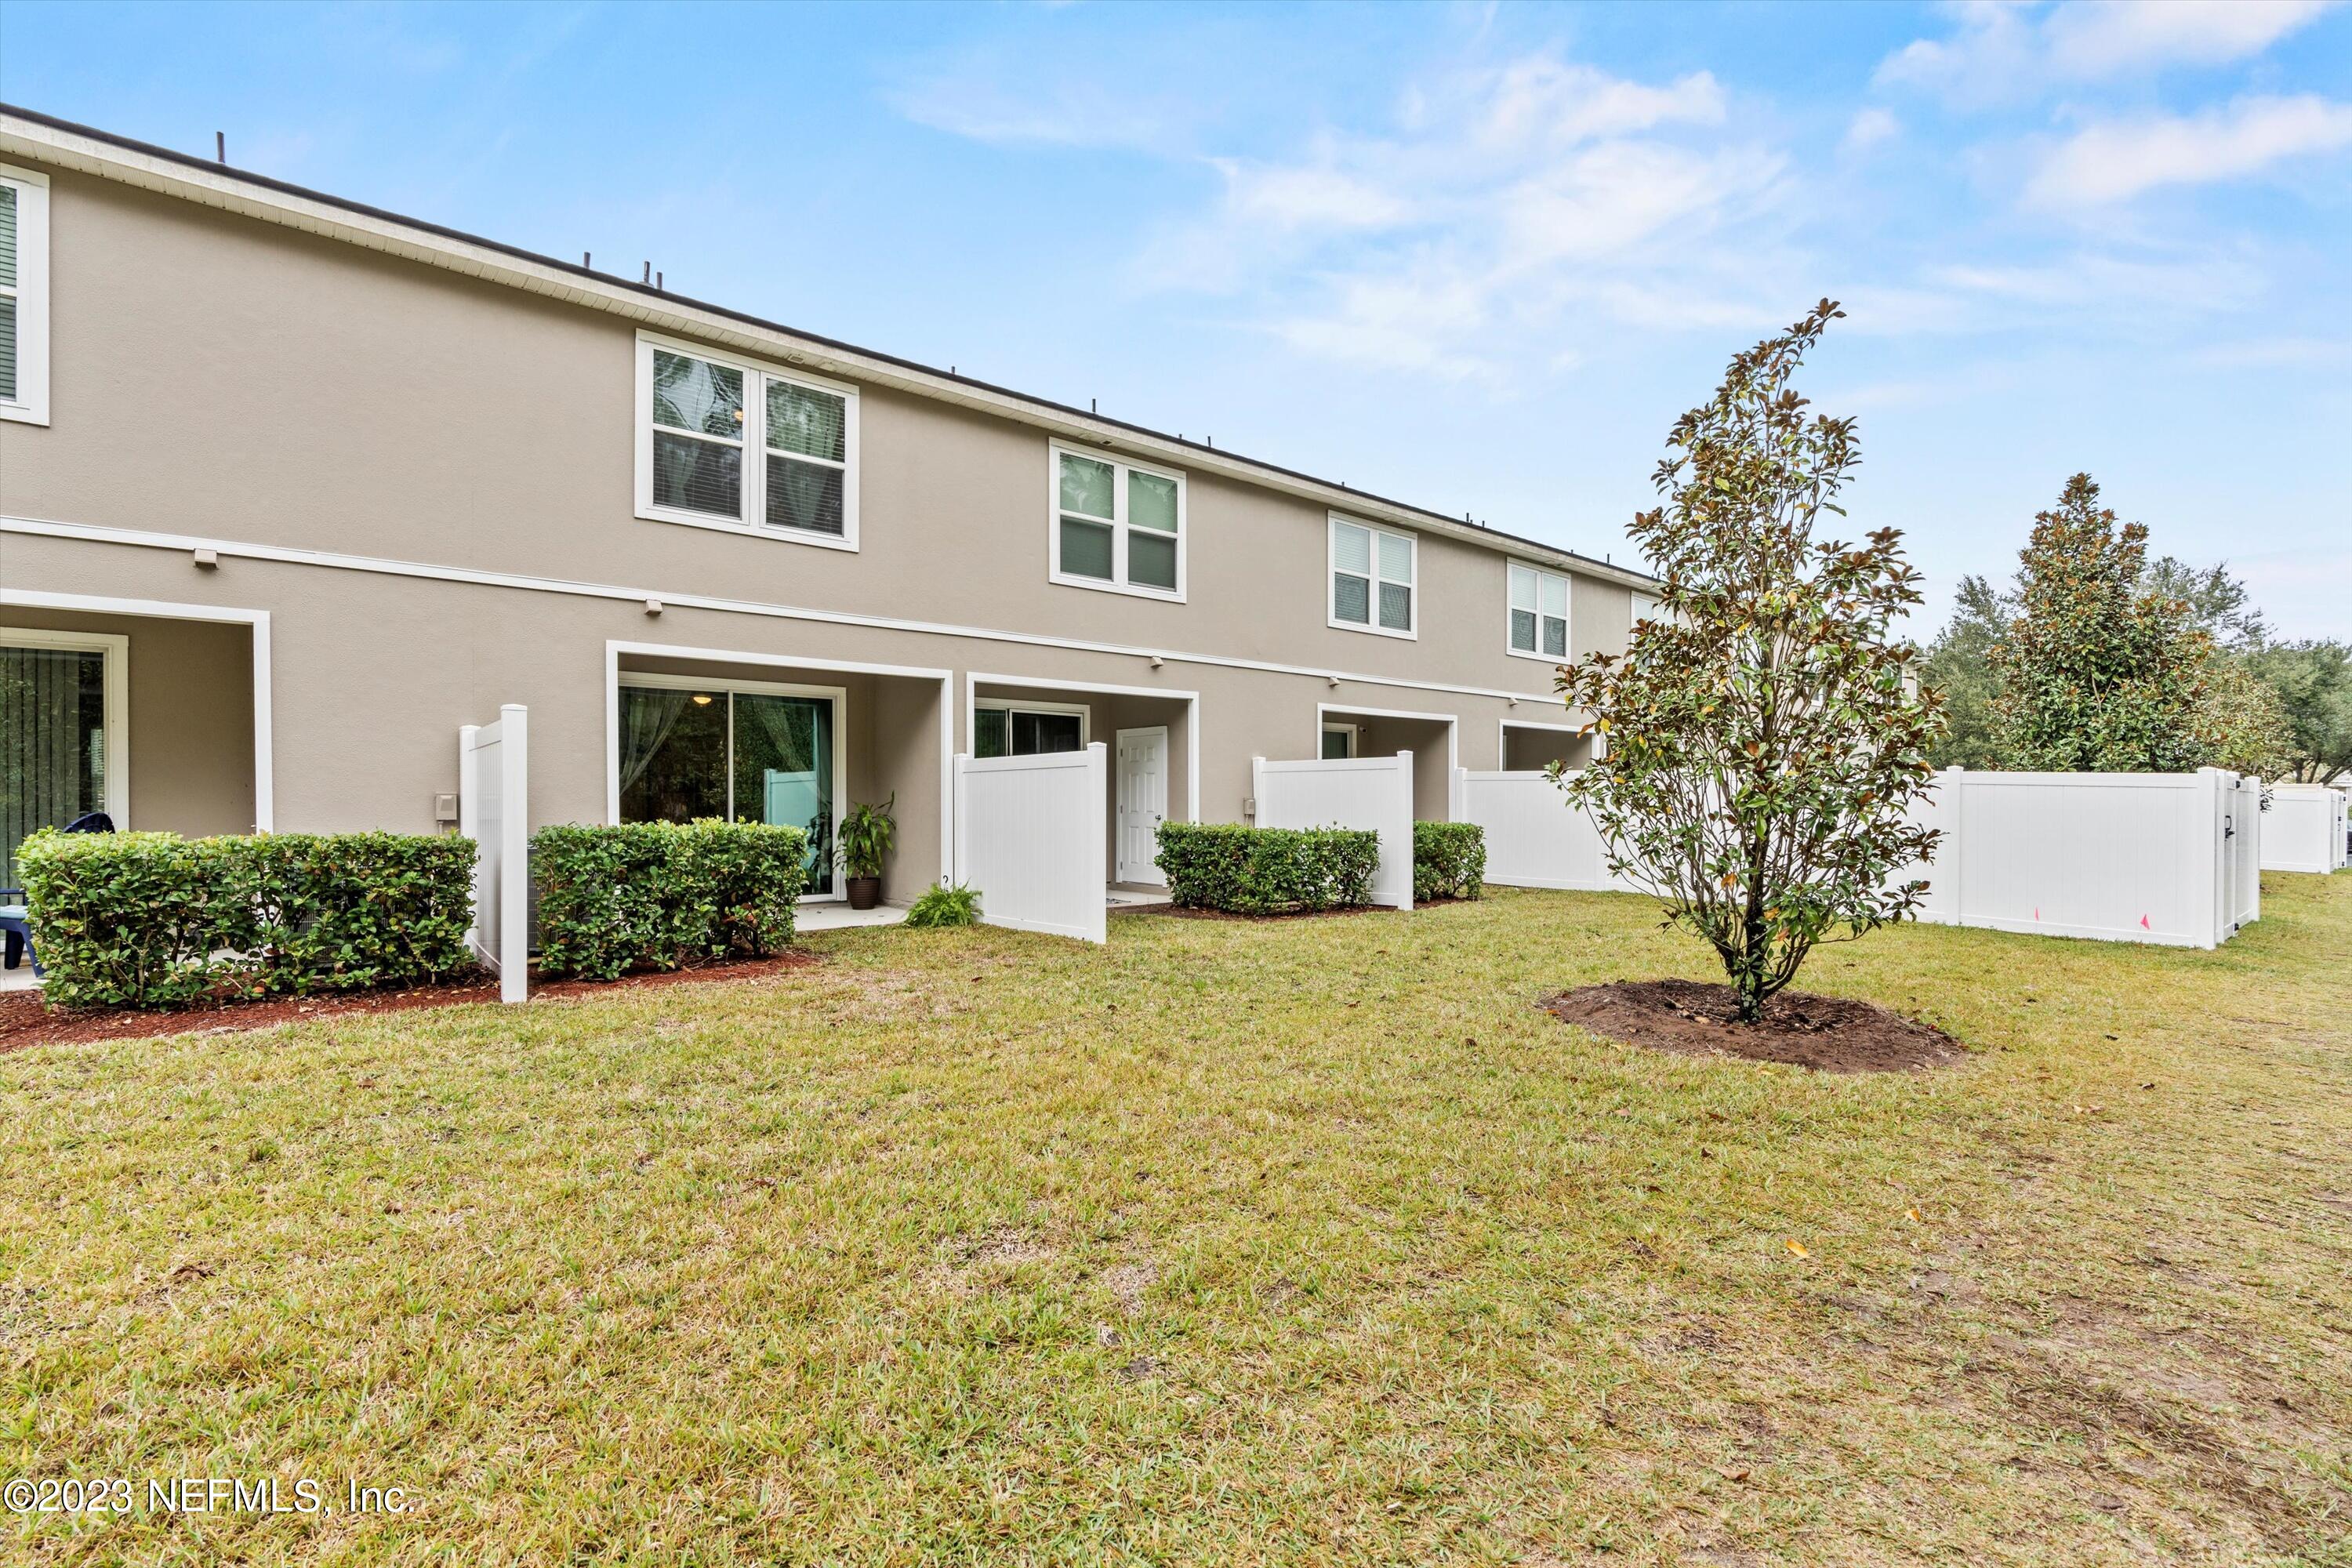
x=493, y=810
x=1032, y=837
x=2306, y=829
x=1373, y=794
x=2169, y=858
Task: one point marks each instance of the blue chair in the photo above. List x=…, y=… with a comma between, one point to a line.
x=15, y=915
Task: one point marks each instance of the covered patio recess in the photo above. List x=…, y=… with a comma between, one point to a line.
x=1431, y=738
x=155, y=714
x=787, y=739
x=1531, y=747
x=1149, y=737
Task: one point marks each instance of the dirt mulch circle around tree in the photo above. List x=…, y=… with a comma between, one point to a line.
x=1834, y=1033
x=25, y=1022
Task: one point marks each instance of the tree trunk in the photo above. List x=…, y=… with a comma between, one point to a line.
x=1747, y=980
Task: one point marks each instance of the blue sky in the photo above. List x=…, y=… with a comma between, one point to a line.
x=1476, y=258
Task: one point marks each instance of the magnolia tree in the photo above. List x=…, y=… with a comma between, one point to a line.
x=1761, y=740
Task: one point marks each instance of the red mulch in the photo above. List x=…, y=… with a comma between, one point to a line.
x=25, y=1022
x=1835, y=1034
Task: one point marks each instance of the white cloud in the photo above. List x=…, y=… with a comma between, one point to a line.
x=1415, y=319
x=2276, y=354
x=976, y=99
x=1606, y=201
x=2109, y=38
x=1545, y=101
x=2113, y=161
x=2089, y=280
x=1457, y=238
x=2001, y=52
x=1868, y=128
x=1309, y=196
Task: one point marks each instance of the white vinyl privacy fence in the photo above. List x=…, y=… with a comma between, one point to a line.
x=493, y=796
x=1032, y=836
x=1371, y=794
x=2172, y=858
x=1535, y=836
x=2306, y=829
x=2156, y=858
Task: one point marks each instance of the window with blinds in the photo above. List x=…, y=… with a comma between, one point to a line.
x=1117, y=525
x=8, y=292
x=1538, y=606
x=23, y=295
x=1372, y=574
x=732, y=445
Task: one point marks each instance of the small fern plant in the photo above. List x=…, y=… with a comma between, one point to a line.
x=945, y=905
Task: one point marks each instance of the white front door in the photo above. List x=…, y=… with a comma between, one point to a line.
x=1142, y=776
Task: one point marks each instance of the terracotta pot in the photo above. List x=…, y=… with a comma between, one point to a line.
x=864, y=893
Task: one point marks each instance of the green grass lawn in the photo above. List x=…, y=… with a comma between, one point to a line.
x=1303, y=1242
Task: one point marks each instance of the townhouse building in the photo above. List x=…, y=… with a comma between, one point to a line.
x=292, y=488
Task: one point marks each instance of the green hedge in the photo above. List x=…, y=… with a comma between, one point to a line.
x=661, y=895
x=1268, y=870
x=1449, y=860
x=152, y=920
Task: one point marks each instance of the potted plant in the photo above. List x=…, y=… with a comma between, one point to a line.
x=867, y=835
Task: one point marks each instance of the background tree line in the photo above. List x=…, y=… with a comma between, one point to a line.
x=2096, y=657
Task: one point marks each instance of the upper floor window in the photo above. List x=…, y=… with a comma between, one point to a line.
x=730, y=444
x=1372, y=579
x=1539, y=612
x=1117, y=526
x=1647, y=606
x=23, y=295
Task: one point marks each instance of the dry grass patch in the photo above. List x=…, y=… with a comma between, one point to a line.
x=1234, y=1243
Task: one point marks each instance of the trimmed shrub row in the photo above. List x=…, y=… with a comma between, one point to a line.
x=1268, y=870
x=153, y=920
x=660, y=895
x=1449, y=860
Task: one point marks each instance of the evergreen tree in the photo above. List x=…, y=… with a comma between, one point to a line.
x=2095, y=674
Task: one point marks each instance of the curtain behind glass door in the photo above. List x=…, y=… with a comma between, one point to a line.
x=52, y=742
x=783, y=771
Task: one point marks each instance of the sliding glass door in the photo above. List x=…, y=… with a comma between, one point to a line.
x=1010, y=730
x=53, y=741
x=746, y=755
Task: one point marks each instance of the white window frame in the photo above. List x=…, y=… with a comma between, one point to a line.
x=1355, y=733
x=1646, y=608
x=1567, y=612
x=114, y=648
x=662, y=680
x=1120, y=467
x=756, y=374
x=1008, y=706
x=1412, y=633
x=31, y=404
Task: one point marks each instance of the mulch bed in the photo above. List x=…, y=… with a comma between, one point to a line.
x=25, y=1022
x=1835, y=1034
x=1179, y=911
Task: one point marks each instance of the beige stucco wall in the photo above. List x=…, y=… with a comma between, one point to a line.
x=296, y=390
x=217, y=377
x=190, y=697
